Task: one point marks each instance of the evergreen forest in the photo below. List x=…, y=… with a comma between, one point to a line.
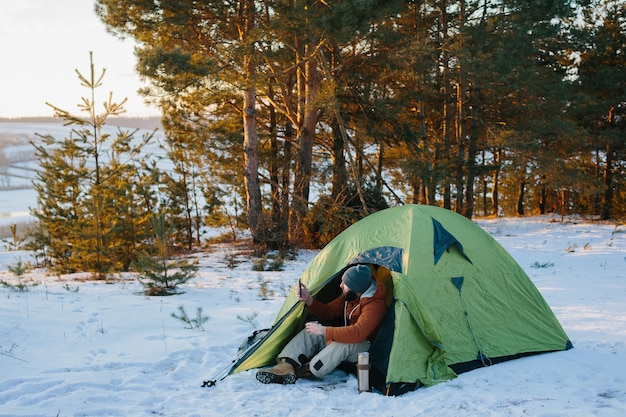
x=296, y=118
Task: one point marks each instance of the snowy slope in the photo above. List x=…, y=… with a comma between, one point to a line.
x=71, y=347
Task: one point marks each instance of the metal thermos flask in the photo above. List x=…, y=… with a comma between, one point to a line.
x=363, y=372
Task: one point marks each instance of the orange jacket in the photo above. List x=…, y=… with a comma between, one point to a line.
x=362, y=317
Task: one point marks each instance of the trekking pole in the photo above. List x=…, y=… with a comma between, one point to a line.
x=223, y=373
x=248, y=346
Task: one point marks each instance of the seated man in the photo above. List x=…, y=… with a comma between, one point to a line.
x=317, y=350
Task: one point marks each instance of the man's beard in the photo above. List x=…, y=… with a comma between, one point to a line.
x=349, y=296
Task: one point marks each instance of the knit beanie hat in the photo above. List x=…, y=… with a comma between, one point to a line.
x=358, y=278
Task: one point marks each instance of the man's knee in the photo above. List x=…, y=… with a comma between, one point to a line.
x=329, y=358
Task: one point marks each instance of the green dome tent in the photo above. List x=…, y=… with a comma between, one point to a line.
x=460, y=301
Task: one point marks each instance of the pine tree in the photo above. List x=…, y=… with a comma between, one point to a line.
x=159, y=273
x=90, y=217
x=188, y=49
x=601, y=108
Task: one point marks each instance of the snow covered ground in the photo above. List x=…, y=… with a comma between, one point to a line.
x=71, y=347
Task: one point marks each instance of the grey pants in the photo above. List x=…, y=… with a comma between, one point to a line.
x=324, y=358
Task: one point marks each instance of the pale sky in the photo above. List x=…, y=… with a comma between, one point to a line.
x=42, y=42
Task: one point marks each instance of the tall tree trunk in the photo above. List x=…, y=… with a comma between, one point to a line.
x=471, y=154
x=483, y=180
x=187, y=209
x=461, y=124
x=520, y=197
x=283, y=225
x=460, y=150
x=417, y=192
x=278, y=237
x=250, y=134
x=307, y=84
x=495, y=189
x=379, y=167
x=447, y=114
x=340, y=174
x=607, y=197
x=251, y=164
x=274, y=166
x=543, y=200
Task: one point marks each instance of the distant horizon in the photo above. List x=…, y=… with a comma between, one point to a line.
x=53, y=118
x=137, y=122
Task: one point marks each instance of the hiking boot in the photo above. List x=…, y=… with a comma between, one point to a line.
x=304, y=372
x=282, y=373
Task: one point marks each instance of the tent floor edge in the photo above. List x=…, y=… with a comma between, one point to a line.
x=463, y=367
x=395, y=389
